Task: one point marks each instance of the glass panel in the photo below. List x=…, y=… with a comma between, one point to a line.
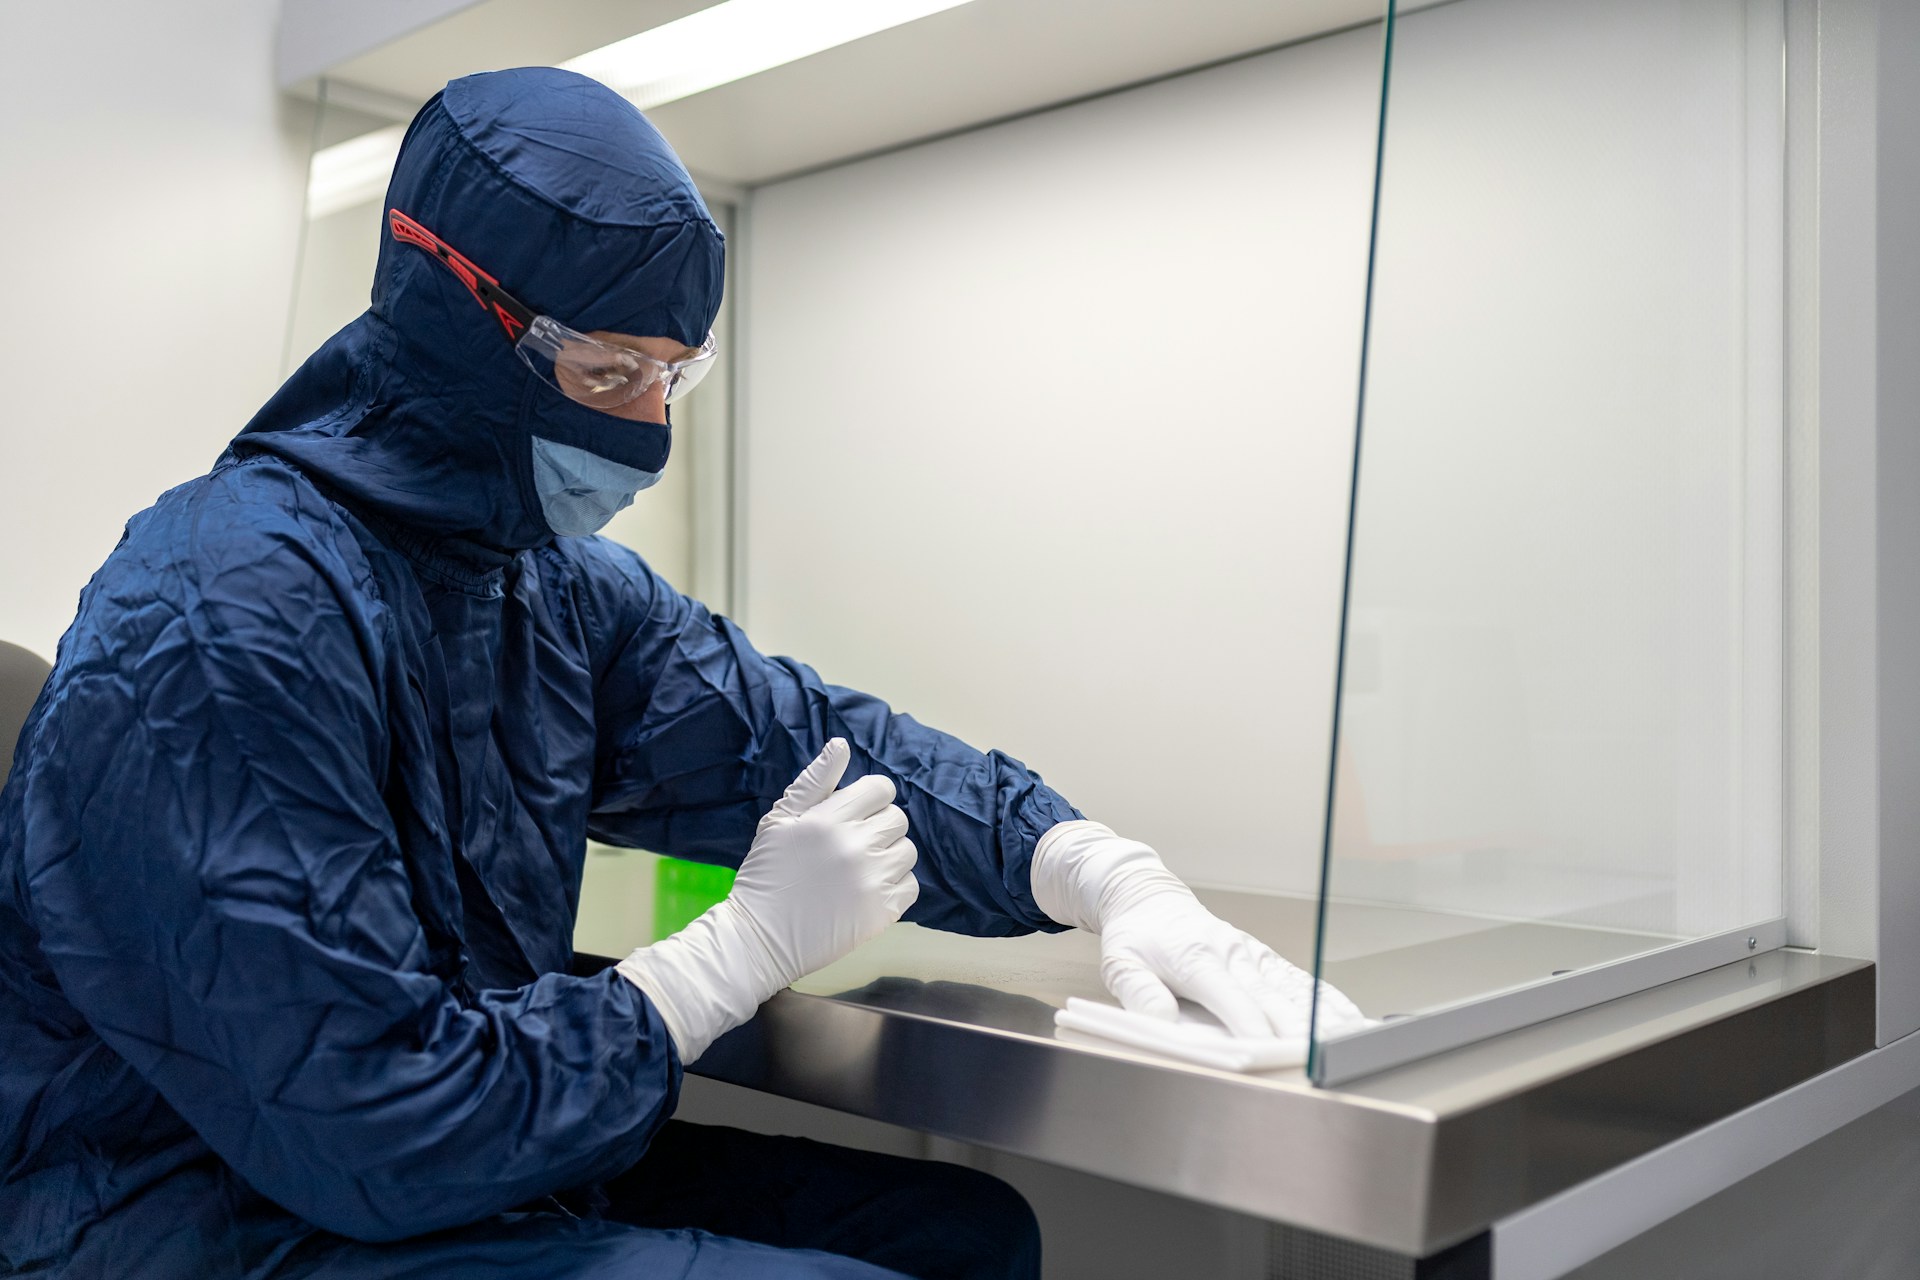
x=1557, y=742
x=340, y=233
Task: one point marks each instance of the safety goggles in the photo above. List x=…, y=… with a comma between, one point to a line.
x=598, y=374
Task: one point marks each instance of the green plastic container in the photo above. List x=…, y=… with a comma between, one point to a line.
x=684, y=890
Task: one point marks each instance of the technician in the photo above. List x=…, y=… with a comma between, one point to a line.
x=290, y=859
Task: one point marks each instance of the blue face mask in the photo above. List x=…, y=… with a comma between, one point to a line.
x=580, y=491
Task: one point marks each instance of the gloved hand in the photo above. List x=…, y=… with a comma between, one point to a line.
x=827, y=871
x=1158, y=942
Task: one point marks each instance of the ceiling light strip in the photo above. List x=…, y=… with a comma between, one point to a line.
x=715, y=46
x=739, y=38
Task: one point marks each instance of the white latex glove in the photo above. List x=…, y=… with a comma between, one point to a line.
x=827, y=871
x=1158, y=942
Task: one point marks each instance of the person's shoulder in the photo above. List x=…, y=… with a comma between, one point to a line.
x=253, y=535
x=262, y=502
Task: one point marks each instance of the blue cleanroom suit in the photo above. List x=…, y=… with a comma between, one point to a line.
x=291, y=852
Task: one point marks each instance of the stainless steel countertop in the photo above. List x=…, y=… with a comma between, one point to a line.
x=955, y=1036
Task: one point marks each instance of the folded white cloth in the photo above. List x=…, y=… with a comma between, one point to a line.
x=1197, y=1036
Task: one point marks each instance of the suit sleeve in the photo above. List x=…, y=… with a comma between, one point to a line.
x=219, y=889
x=699, y=733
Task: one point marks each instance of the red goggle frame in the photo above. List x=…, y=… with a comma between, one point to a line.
x=514, y=316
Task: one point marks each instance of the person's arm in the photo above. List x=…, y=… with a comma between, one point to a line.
x=218, y=886
x=699, y=733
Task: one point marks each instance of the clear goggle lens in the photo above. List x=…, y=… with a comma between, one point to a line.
x=604, y=375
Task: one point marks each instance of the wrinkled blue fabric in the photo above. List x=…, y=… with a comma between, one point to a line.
x=580, y=491
x=292, y=847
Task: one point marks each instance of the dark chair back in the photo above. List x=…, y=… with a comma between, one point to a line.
x=22, y=672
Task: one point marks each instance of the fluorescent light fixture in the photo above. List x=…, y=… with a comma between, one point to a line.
x=736, y=39
x=352, y=172
x=719, y=44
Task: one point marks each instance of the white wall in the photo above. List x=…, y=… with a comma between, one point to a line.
x=1047, y=440
x=1048, y=429
x=153, y=191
